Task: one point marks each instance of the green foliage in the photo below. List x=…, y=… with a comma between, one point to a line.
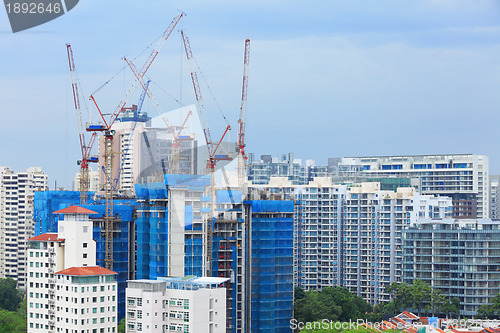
x=488, y=311
x=14, y=322
x=420, y=293
x=332, y=303
x=10, y=297
x=436, y=302
x=121, y=326
x=419, y=297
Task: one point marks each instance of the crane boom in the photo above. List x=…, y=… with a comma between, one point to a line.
x=212, y=150
x=142, y=72
x=85, y=147
x=241, y=121
x=197, y=91
x=108, y=145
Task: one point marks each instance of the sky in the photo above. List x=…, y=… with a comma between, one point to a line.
x=326, y=78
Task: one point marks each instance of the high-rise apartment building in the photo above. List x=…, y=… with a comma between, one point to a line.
x=260, y=172
x=253, y=247
x=463, y=177
x=190, y=304
x=458, y=257
x=350, y=235
x=16, y=219
x=67, y=292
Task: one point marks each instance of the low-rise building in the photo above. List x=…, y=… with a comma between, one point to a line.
x=188, y=304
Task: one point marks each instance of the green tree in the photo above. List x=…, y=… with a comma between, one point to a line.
x=333, y=303
x=420, y=294
x=490, y=311
x=401, y=295
x=390, y=308
x=10, y=297
x=436, y=301
x=121, y=326
x=451, y=308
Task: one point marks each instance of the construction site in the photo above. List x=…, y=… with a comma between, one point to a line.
x=171, y=196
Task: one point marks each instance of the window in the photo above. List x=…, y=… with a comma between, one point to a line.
x=85, y=256
x=84, y=244
x=139, y=302
x=85, y=229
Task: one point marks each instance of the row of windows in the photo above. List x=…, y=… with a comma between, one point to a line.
x=82, y=311
x=173, y=302
x=87, y=289
x=94, y=299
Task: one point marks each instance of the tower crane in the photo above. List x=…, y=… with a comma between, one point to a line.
x=105, y=128
x=241, y=122
x=86, y=147
x=211, y=146
x=175, y=155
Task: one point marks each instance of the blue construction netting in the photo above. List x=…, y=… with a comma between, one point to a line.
x=271, y=266
x=45, y=203
x=193, y=257
x=271, y=206
x=152, y=228
x=151, y=191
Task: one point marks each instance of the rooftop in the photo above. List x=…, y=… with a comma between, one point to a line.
x=75, y=210
x=48, y=237
x=90, y=270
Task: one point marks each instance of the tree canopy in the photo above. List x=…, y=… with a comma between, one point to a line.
x=12, y=308
x=10, y=297
x=490, y=311
x=420, y=298
x=332, y=303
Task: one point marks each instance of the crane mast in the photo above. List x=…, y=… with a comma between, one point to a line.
x=241, y=122
x=105, y=128
x=211, y=146
x=86, y=148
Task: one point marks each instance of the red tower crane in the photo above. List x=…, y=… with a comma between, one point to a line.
x=86, y=147
x=241, y=122
x=108, y=144
x=211, y=146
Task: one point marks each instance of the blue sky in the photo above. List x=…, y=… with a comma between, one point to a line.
x=327, y=78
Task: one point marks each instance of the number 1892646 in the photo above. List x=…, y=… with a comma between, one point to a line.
x=33, y=8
